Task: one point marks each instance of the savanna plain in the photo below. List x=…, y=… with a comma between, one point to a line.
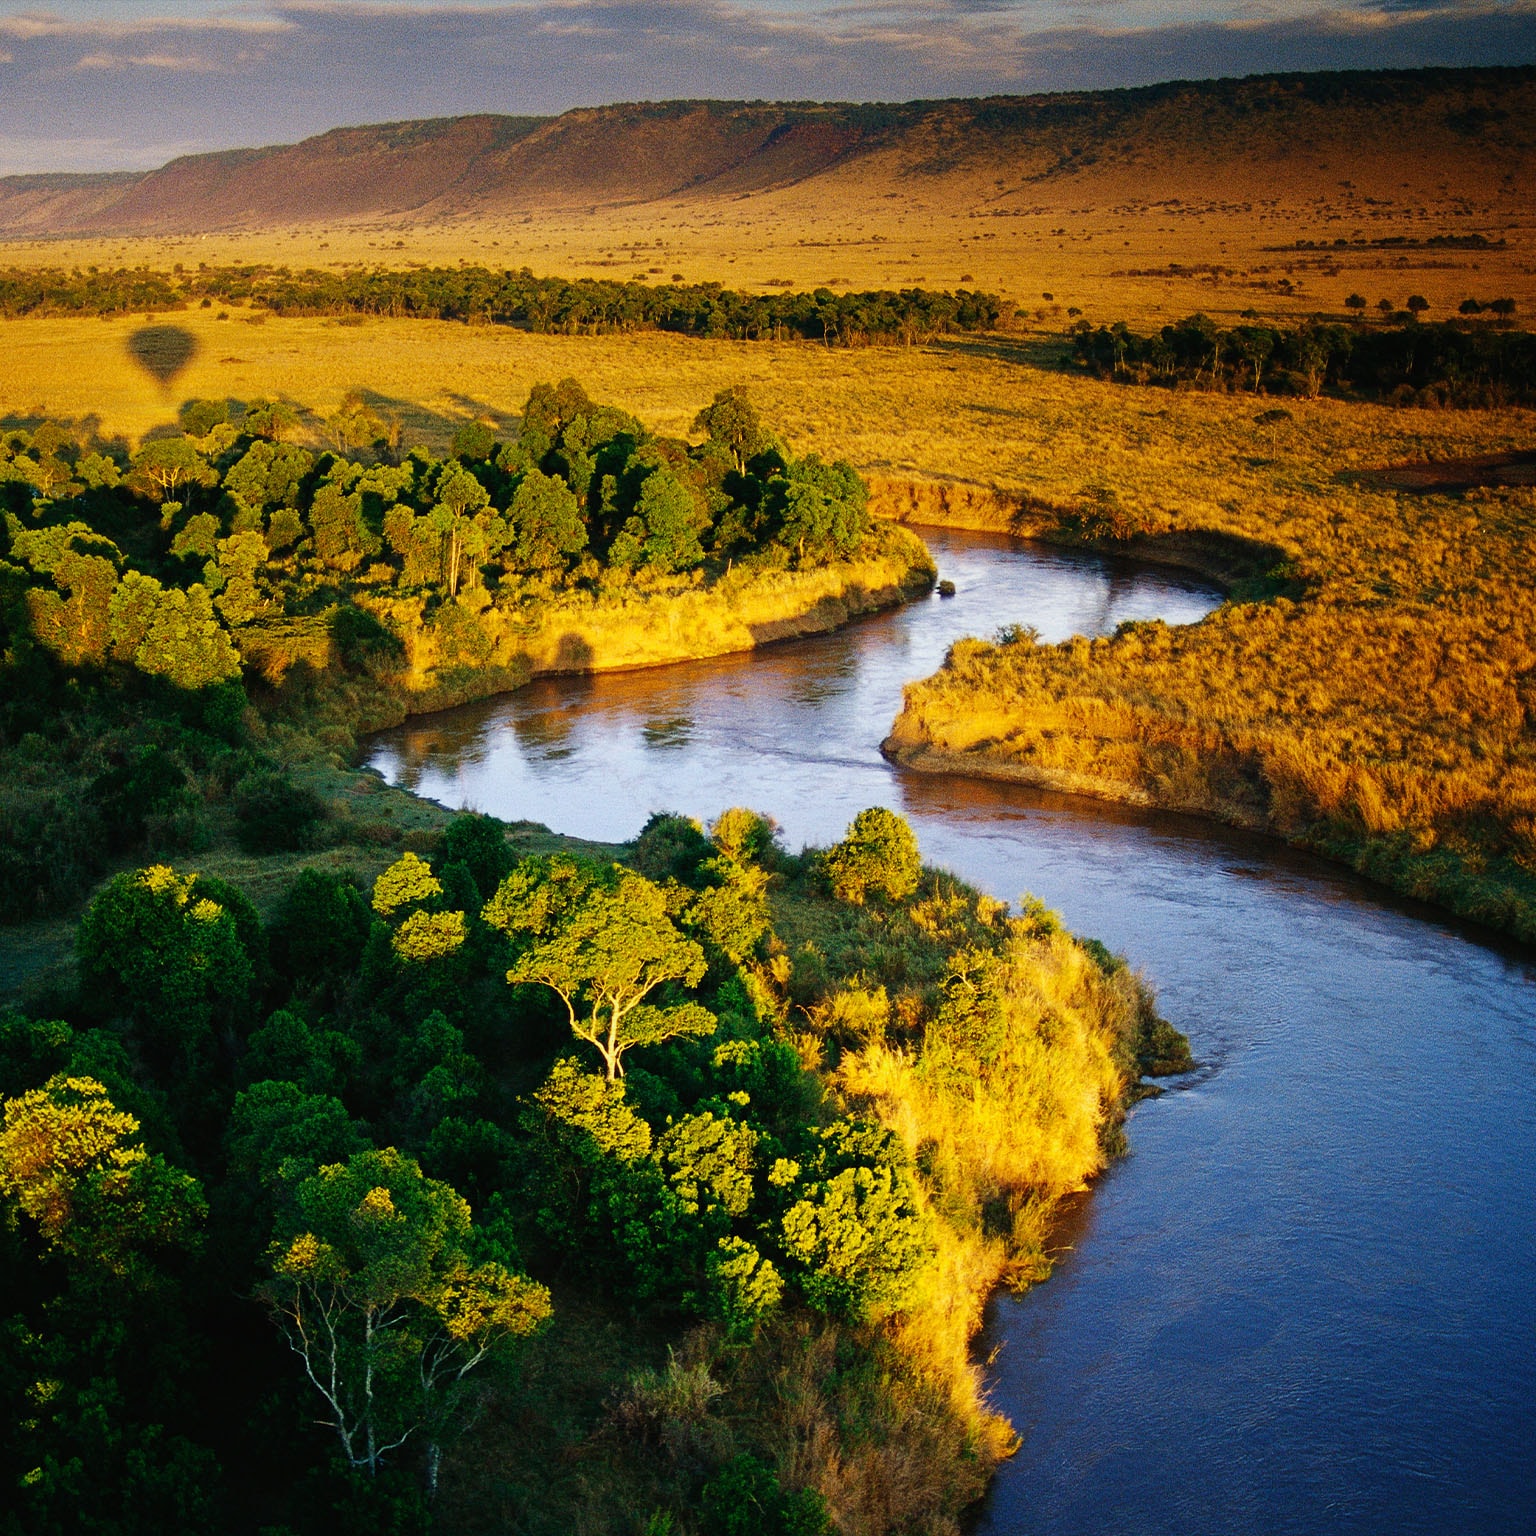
x=337, y=1198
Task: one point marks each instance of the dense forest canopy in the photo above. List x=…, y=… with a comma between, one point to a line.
x=477, y=295
x=290, y=1203
x=139, y=591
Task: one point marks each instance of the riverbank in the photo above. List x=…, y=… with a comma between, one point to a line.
x=1369, y=696
x=477, y=648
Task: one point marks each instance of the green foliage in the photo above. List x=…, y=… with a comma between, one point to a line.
x=879, y=856
x=273, y=815
x=671, y=847
x=375, y=1289
x=1449, y=363
x=731, y=421
x=157, y=948
x=320, y=926
x=603, y=940
x=545, y=522
x=856, y=1227
x=479, y=843
x=70, y=1163
x=407, y=883
x=822, y=509
x=744, y=1499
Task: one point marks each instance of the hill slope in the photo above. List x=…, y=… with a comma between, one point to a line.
x=1240, y=139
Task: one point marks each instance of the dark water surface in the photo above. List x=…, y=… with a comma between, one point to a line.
x=1307, y=1301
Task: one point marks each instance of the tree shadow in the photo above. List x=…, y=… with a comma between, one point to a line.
x=1051, y=353
x=164, y=352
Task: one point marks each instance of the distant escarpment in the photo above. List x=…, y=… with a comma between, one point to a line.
x=1384, y=126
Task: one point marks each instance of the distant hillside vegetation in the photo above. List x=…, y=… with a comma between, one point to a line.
x=1387, y=122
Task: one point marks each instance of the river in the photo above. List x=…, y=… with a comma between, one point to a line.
x=1307, y=1301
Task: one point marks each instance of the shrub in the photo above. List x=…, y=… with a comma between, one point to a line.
x=879, y=856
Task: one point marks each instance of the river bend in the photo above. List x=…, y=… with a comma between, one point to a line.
x=1306, y=1303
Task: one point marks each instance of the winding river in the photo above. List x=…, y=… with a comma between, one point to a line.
x=1307, y=1301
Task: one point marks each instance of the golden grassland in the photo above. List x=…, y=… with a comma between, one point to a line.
x=1381, y=711
x=1204, y=230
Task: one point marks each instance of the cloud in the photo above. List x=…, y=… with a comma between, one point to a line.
x=145, y=61
x=132, y=79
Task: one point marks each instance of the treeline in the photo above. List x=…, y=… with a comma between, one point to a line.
x=477, y=295
x=1436, y=364
x=138, y=591
x=467, y=1197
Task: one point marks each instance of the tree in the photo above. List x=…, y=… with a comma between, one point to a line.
x=479, y=843
x=170, y=465
x=473, y=443
x=241, y=555
x=663, y=532
x=823, y=509
x=546, y=523
x=376, y=1290
x=732, y=421
x=342, y=538
x=879, y=855
x=162, y=949
x=70, y=1163
x=601, y=939
x=1417, y=304
x=460, y=497
x=857, y=1227
x=1355, y=302
x=271, y=419
x=184, y=643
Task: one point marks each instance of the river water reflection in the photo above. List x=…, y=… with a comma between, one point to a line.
x=1307, y=1301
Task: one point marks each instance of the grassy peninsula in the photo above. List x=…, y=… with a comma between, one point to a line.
x=1368, y=691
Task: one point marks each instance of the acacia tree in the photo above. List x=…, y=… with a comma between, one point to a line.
x=169, y=465
x=602, y=939
x=375, y=1290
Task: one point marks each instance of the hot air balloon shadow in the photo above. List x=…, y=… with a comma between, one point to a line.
x=163, y=352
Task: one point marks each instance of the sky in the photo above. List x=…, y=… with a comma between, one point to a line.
x=129, y=84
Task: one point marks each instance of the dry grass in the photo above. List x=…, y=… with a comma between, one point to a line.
x=1392, y=700
x=1158, y=233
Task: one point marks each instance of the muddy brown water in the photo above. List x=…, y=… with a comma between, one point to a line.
x=1306, y=1302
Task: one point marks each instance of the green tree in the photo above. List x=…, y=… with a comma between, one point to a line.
x=241, y=555
x=663, y=533
x=342, y=538
x=823, y=509
x=70, y=1162
x=375, y=1287
x=878, y=855
x=602, y=939
x=546, y=523
x=732, y=421
x=170, y=633
x=160, y=948
x=169, y=467
x=857, y=1228
x=268, y=476
x=460, y=497
x=479, y=843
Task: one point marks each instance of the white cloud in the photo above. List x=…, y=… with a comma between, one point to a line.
x=174, y=61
